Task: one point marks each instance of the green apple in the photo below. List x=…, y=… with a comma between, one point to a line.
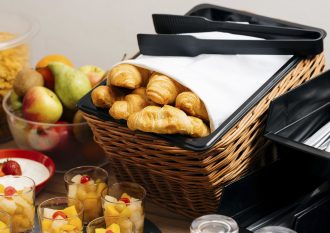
x=15, y=101
x=42, y=105
x=94, y=74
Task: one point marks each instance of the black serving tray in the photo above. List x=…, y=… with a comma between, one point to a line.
x=296, y=116
x=217, y=13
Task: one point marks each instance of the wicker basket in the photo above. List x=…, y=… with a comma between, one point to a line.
x=189, y=182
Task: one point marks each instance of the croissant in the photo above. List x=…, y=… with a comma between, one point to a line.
x=191, y=104
x=105, y=96
x=132, y=103
x=128, y=76
x=163, y=90
x=166, y=120
x=142, y=92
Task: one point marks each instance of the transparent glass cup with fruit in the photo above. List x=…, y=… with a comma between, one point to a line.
x=86, y=184
x=5, y=222
x=98, y=226
x=17, y=196
x=61, y=214
x=123, y=203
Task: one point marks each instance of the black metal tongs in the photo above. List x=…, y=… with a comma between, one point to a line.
x=276, y=40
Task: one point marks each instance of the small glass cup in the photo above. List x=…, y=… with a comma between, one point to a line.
x=5, y=222
x=88, y=192
x=274, y=229
x=61, y=214
x=214, y=223
x=17, y=196
x=123, y=203
x=100, y=223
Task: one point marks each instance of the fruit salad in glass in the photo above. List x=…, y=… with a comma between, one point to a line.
x=61, y=215
x=123, y=203
x=17, y=195
x=5, y=222
x=98, y=226
x=86, y=184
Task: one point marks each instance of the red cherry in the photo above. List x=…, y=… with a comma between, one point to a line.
x=59, y=213
x=84, y=179
x=9, y=191
x=125, y=199
x=109, y=231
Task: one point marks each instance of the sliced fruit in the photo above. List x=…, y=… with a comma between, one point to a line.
x=70, y=211
x=59, y=214
x=53, y=58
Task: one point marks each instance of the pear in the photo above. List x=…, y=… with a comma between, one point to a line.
x=70, y=84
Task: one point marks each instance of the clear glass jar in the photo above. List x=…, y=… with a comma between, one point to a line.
x=214, y=223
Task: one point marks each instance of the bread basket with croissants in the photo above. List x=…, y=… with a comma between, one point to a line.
x=151, y=102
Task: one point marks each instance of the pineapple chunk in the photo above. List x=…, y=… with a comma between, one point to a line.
x=110, y=210
x=46, y=224
x=126, y=213
x=125, y=195
x=8, y=206
x=68, y=227
x=2, y=188
x=100, y=230
x=70, y=211
x=100, y=188
x=76, y=222
x=2, y=224
x=114, y=228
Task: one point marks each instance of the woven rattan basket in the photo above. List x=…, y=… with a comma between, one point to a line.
x=189, y=182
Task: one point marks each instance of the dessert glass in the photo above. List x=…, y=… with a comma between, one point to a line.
x=17, y=196
x=123, y=203
x=98, y=226
x=86, y=184
x=61, y=214
x=5, y=222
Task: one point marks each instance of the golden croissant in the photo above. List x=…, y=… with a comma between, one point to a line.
x=142, y=92
x=123, y=108
x=105, y=96
x=163, y=90
x=127, y=76
x=167, y=120
x=191, y=104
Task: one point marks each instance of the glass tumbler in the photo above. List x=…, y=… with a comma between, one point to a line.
x=86, y=184
x=99, y=224
x=17, y=196
x=214, y=223
x=60, y=215
x=123, y=204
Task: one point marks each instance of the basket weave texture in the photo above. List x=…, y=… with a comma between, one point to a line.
x=188, y=182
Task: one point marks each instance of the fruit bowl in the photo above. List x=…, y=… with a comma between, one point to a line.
x=35, y=165
x=68, y=145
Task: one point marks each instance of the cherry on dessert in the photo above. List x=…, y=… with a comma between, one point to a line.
x=9, y=191
x=59, y=214
x=84, y=179
x=125, y=199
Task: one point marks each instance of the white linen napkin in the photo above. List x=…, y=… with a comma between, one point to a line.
x=223, y=82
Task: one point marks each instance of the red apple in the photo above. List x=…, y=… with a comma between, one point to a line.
x=64, y=132
x=43, y=138
x=46, y=73
x=94, y=74
x=42, y=105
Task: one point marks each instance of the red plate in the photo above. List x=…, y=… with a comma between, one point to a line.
x=35, y=165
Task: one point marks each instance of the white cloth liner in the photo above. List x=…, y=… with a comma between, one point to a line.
x=223, y=82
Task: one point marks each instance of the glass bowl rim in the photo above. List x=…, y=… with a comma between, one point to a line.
x=76, y=168
x=26, y=35
x=33, y=187
x=79, y=213
x=10, y=114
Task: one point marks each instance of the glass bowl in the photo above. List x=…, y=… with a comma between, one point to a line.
x=69, y=145
x=16, y=33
